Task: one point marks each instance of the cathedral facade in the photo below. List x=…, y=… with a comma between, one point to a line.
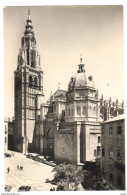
x=66, y=127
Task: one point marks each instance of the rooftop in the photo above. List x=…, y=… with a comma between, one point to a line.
x=117, y=118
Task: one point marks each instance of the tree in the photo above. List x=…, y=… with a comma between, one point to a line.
x=67, y=177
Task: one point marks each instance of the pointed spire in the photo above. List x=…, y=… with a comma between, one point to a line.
x=28, y=13
x=58, y=86
x=29, y=27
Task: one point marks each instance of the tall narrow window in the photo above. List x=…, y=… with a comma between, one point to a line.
x=94, y=110
x=98, y=150
x=95, y=153
x=30, y=79
x=110, y=130
x=35, y=80
x=99, y=139
x=84, y=110
x=33, y=58
x=90, y=111
x=78, y=110
x=72, y=110
x=119, y=156
x=111, y=153
x=27, y=56
x=103, y=152
x=119, y=130
x=69, y=112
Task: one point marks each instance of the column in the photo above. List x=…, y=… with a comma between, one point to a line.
x=77, y=131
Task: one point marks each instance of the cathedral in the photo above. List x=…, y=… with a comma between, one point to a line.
x=66, y=127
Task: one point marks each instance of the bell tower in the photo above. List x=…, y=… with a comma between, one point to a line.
x=28, y=80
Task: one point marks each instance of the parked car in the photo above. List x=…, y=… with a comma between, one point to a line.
x=7, y=155
x=35, y=156
x=40, y=158
x=24, y=188
x=7, y=188
x=29, y=156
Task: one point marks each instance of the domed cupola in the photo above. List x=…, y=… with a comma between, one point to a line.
x=81, y=79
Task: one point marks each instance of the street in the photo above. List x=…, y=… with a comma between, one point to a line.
x=34, y=173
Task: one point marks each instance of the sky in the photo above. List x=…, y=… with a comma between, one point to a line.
x=63, y=33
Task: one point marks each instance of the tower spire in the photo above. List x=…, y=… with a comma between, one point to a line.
x=29, y=13
x=58, y=86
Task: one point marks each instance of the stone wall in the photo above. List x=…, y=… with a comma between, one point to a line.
x=64, y=146
x=115, y=142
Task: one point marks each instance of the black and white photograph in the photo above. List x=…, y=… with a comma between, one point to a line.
x=64, y=98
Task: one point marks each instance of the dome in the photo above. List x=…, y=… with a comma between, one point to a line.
x=81, y=79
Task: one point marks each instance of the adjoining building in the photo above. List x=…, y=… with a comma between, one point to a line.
x=5, y=134
x=113, y=152
x=9, y=134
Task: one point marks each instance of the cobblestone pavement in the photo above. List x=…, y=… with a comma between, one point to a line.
x=33, y=174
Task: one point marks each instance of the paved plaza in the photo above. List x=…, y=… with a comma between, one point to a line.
x=34, y=173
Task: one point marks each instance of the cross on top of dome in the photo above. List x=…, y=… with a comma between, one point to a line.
x=81, y=58
x=81, y=66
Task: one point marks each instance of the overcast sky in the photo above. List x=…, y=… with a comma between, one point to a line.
x=62, y=34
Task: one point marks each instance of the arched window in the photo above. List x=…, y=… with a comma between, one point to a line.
x=35, y=80
x=30, y=79
x=84, y=110
x=78, y=110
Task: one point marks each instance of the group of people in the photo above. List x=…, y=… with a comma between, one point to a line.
x=20, y=168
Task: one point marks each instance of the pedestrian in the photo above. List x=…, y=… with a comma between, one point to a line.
x=8, y=169
x=18, y=167
x=21, y=168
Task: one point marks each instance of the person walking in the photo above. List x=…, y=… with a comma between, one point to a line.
x=8, y=169
x=18, y=167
